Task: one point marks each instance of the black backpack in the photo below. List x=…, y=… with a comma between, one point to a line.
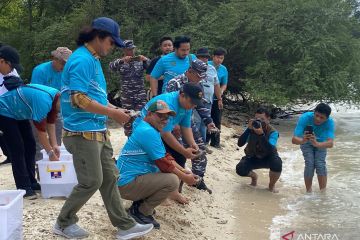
x=12, y=82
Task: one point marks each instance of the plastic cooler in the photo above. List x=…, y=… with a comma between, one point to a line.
x=11, y=214
x=57, y=178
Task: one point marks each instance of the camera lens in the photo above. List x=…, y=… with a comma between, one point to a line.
x=256, y=124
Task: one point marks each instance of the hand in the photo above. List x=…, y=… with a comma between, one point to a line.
x=250, y=126
x=52, y=156
x=220, y=104
x=190, y=153
x=313, y=141
x=143, y=58
x=177, y=131
x=57, y=150
x=258, y=131
x=211, y=126
x=187, y=171
x=190, y=179
x=126, y=59
x=119, y=115
x=195, y=147
x=307, y=137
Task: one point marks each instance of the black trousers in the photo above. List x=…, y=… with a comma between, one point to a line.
x=216, y=115
x=21, y=150
x=4, y=147
x=179, y=158
x=247, y=164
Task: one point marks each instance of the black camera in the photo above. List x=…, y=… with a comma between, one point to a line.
x=257, y=123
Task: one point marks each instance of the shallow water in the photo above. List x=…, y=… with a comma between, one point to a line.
x=331, y=215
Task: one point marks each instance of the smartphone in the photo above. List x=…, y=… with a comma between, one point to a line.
x=309, y=129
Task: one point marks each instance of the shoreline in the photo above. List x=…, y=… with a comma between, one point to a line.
x=234, y=210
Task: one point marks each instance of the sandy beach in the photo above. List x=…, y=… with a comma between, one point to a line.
x=234, y=210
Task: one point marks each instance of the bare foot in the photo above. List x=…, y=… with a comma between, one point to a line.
x=273, y=189
x=309, y=190
x=254, y=178
x=166, y=203
x=177, y=197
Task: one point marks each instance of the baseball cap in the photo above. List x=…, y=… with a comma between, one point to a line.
x=195, y=92
x=11, y=55
x=160, y=106
x=109, y=25
x=200, y=67
x=62, y=53
x=129, y=44
x=203, y=52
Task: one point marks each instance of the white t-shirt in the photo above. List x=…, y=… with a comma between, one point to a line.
x=2, y=86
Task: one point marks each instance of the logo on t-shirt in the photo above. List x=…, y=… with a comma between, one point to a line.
x=173, y=63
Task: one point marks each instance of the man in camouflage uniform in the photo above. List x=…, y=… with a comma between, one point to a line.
x=131, y=69
x=195, y=73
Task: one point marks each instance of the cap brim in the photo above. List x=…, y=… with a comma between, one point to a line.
x=167, y=111
x=197, y=102
x=118, y=42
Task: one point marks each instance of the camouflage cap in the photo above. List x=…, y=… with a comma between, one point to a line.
x=160, y=106
x=200, y=67
x=129, y=44
x=62, y=53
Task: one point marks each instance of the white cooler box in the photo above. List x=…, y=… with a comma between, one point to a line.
x=57, y=178
x=11, y=214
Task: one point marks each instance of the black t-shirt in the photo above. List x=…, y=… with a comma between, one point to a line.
x=152, y=65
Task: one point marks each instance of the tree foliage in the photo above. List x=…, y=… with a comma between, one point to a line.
x=280, y=51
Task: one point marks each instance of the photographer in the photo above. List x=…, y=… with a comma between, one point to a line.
x=315, y=132
x=260, y=151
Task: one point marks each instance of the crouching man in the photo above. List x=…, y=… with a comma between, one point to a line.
x=147, y=173
x=260, y=151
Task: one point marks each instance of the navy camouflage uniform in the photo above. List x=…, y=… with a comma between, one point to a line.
x=198, y=164
x=133, y=94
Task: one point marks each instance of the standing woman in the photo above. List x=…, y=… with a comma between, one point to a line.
x=85, y=110
x=20, y=104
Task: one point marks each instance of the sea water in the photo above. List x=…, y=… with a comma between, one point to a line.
x=334, y=214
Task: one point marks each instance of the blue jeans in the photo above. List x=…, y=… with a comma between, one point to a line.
x=200, y=123
x=314, y=159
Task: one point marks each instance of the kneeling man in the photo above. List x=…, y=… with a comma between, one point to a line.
x=260, y=151
x=147, y=173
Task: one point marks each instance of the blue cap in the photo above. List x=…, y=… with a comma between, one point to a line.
x=109, y=25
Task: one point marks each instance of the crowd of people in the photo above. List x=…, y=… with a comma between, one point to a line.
x=66, y=101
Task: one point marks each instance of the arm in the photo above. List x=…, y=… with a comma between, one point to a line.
x=223, y=88
x=205, y=114
x=244, y=137
x=175, y=145
x=115, y=65
x=84, y=102
x=44, y=141
x=167, y=164
x=154, y=86
x=189, y=137
x=218, y=94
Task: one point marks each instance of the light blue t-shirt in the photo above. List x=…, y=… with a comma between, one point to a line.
x=322, y=132
x=139, y=153
x=29, y=102
x=182, y=118
x=83, y=73
x=222, y=72
x=46, y=75
x=171, y=66
x=209, y=83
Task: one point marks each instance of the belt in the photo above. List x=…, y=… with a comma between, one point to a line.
x=92, y=136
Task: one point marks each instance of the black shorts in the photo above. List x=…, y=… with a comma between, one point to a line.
x=246, y=164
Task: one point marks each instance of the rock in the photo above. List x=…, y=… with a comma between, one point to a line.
x=222, y=221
